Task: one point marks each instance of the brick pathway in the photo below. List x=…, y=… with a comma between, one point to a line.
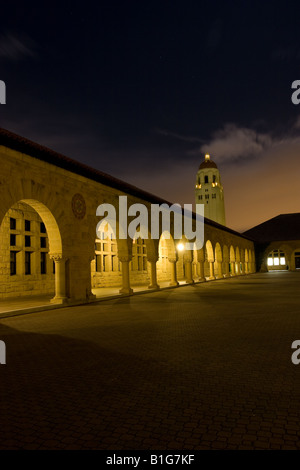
x=200, y=367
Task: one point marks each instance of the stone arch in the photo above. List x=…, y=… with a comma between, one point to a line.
x=232, y=260
x=226, y=261
x=218, y=261
x=19, y=254
x=166, y=265
x=209, y=261
x=105, y=266
x=247, y=267
x=237, y=261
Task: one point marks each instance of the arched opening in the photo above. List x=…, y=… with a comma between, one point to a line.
x=237, y=261
x=32, y=262
x=218, y=261
x=226, y=263
x=209, y=261
x=106, y=270
x=232, y=261
x=277, y=261
x=167, y=260
x=247, y=268
x=139, y=266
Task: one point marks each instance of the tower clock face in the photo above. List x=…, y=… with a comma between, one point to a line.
x=78, y=206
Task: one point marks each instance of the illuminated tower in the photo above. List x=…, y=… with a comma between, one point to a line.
x=209, y=191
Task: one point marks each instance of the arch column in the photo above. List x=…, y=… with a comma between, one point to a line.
x=201, y=271
x=189, y=272
x=211, y=271
x=126, y=289
x=226, y=274
x=232, y=266
x=60, y=278
x=195, y=270
x=220, y=270
x=243, y=271
x=174, y=281
x=238, y=268
x=153, y=274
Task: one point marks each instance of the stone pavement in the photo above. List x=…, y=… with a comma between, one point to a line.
x=200, y=367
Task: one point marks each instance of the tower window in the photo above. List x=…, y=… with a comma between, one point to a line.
x=214, y=178
x=205, y=179
x=213, y=196
x=206, y=196
x=200, y=198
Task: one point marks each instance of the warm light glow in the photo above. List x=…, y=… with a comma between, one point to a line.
x=270, y=261
x=180, y=247
x=282, y=261
x=207, y=157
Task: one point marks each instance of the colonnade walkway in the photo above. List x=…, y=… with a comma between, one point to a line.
x=32, y=303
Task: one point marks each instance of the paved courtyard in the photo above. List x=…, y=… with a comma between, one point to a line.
x=197, y=367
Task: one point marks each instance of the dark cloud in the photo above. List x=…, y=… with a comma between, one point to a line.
x=15, y=48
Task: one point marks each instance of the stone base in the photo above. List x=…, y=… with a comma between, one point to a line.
x=174, y=284
x=126, y=291
x=154, y=286
x=59, y=300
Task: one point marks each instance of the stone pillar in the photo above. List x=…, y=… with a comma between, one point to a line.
x=174, y=281
x=60, y=279
x=126, y=289
x=153, y=276
x=220, y=270
x=201, y=271
x=226, y=274
x=243, y=269
x=195, y=270
x=238, y=268
x=188, y=272
x=211, y=271
x=246, y=267
x=232, y=266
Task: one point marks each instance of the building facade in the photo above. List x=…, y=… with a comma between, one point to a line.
x=49, y=243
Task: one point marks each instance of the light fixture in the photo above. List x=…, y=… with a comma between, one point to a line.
x=180, y=247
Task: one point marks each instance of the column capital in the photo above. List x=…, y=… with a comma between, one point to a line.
x=56, y=256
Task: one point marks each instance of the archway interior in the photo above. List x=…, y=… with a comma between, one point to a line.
x=105, y=267
x=28, y=233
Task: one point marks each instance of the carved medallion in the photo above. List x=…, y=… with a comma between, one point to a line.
x=78, y=206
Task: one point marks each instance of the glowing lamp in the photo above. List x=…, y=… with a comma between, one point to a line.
x=180, y=247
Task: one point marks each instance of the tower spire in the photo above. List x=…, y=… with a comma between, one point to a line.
x=209, y=190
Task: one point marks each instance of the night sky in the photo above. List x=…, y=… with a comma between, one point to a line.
x=141, y=90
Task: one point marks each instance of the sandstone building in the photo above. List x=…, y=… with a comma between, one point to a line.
x=48, y=233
